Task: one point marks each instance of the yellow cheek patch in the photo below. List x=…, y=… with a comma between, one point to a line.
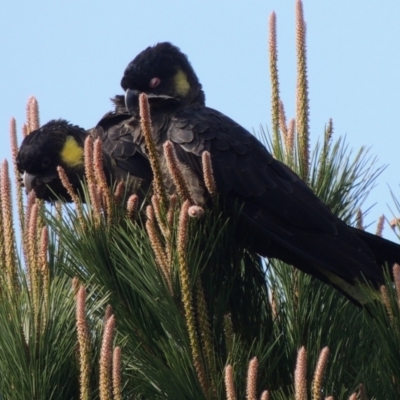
x=72, y=153
x=182, y=85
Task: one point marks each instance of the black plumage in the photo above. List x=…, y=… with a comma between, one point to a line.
x=41, y=152
x=281, y=217
x=44, y=149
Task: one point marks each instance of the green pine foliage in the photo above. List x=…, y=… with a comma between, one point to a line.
x=151, y=324
x=37, y=356
x=215, y=305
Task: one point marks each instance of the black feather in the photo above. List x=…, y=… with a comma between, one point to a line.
x=281, y=217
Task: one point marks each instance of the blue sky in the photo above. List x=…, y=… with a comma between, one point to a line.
x=71, y=56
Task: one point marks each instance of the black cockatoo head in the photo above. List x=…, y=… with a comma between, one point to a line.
x=55, y=143
x=163, y=72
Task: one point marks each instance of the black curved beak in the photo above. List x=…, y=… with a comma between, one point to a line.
x=31, y=181
x=28, y=180
x=132, y=100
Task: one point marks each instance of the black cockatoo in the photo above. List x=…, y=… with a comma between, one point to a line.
x=280, y=217
x=60, y=143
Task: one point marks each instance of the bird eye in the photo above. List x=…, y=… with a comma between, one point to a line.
x=46, y=162
x=154, y=82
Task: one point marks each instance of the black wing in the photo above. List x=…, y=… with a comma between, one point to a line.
x=118, y=130
x=283, y=217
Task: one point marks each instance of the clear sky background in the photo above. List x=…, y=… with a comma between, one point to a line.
x=71, y=56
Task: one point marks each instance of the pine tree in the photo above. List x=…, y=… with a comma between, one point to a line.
x=113, y=299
